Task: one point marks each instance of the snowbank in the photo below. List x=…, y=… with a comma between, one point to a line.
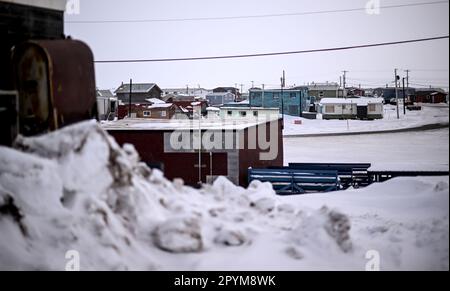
x=76, y=189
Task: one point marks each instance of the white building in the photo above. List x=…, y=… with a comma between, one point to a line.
x=106, y=104
x=192, y=92
x=250, y=113
x=351, y=108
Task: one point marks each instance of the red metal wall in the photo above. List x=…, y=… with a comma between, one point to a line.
x=150, y=146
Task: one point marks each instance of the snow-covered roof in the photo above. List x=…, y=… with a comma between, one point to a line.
x=212, y=109
x=357, y=101
x=240, y=108
x=219, y=94
x=137, y=88
x=155, y=101
x=176, y=124
x=105, y=93
x=160, y=106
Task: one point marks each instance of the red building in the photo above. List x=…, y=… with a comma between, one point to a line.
x=153, y=140
x=430, y=96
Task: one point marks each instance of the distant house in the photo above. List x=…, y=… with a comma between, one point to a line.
x=353, y=91
x=232, y=90
x=106, y=104
x=243, y=111
x=218, y=99
x=295, y=100
x=430, y=95
x=352, y=108
x=323, y=90
x=140, y=93
x=187, y=106
x=388, y=93
x=154, y=111
x=194, y=92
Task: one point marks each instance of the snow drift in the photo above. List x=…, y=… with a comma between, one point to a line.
x=77, y=189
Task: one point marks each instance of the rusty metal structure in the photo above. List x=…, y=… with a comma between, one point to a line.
x=55, y=82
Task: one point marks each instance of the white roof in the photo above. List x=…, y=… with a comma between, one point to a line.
x=248, y=108
x=357, y=101
x=155, y=101
x=49, y=4
x=177, y=124
x=156, y=106
x=212, y=109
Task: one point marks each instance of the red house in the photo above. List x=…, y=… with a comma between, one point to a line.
x=430, y=96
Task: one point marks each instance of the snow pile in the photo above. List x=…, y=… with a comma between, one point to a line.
x=76, y=189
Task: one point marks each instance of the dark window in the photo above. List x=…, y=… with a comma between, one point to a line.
x=230, y=113
x=243, y=113
x=255, y=113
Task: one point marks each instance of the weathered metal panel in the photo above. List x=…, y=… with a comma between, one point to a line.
x=56, y=84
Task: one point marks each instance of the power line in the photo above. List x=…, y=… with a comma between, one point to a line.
x=255, y=16
x=276, y=53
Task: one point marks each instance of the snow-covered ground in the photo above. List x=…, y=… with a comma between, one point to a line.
x=418, y=150
x=431, y=114
x=76, y=189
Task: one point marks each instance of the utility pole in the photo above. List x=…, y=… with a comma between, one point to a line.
x=283, y=84
x=345, y=83
x=129, y=103
x=396, y=93
x=407, y=78
x=404, y=98
x=242, y=88
x=253, y=84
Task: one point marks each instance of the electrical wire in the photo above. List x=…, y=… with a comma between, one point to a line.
x=275, y=53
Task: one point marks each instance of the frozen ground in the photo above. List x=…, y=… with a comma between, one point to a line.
x=431, y=114
x=421, y=150
x=76, y=189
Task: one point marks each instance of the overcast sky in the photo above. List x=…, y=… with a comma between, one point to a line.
x=428, y=61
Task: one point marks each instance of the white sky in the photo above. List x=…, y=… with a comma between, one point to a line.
x=428, y=61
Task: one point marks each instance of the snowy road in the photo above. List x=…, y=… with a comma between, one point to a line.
x=422, y=150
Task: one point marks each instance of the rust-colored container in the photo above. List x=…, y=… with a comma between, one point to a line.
x=55, y=80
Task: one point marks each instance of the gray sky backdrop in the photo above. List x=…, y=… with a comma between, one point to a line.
x=372, y=67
